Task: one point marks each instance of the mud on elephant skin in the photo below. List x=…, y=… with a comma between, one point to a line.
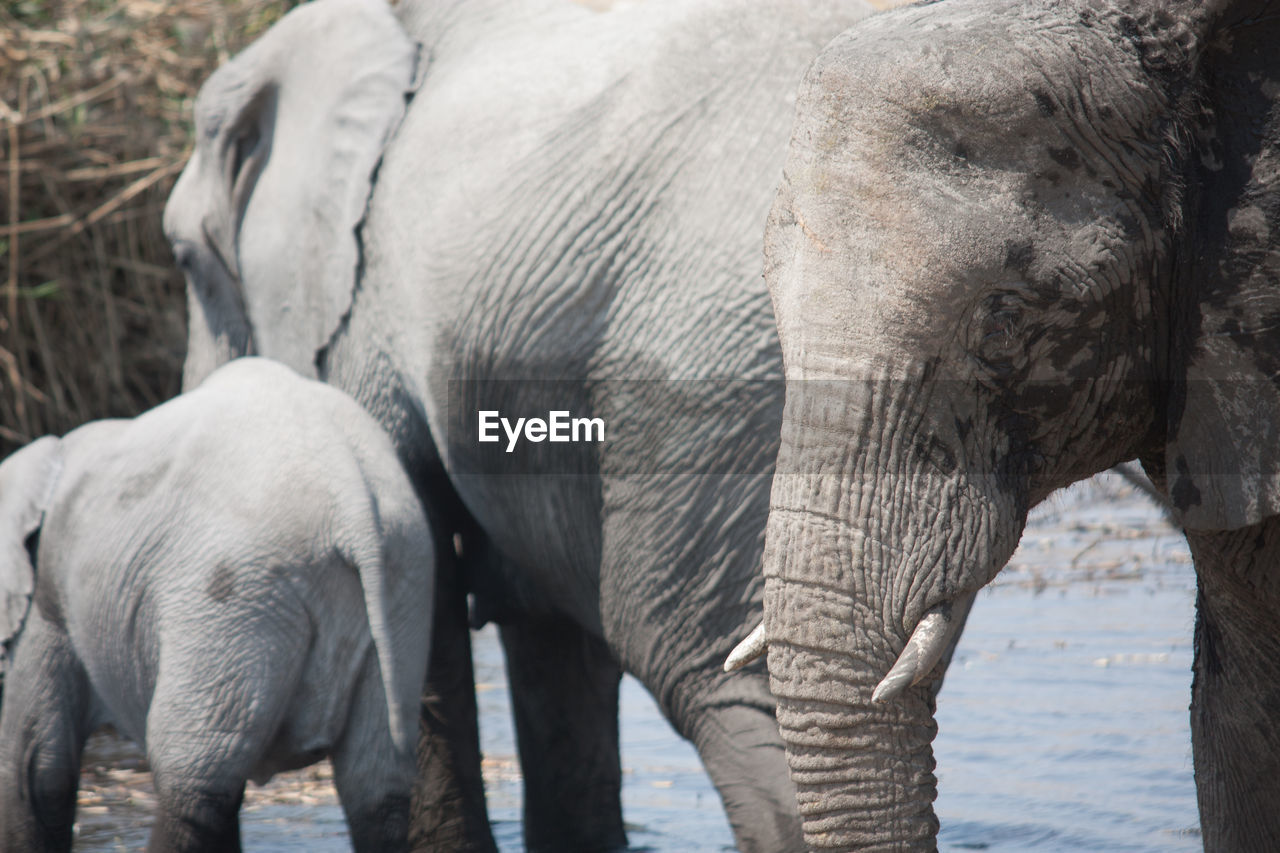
x=566, y=196
x=1016, y=244
x=240, y=580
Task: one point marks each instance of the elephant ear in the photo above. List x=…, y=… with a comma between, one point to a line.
x=27, y=482
x=1223, y=458
x=289, y=135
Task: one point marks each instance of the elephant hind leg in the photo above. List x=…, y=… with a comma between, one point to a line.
x=197, y=818
x=43, y=727
x=374, y=779
x=222, y=695
x=1235, y=707
x=564, y=695
x=203, y=742
x=201, y=756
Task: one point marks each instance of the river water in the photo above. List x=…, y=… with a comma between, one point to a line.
x=1062, y=726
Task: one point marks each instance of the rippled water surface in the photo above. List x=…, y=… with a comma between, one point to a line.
x=1063, y=722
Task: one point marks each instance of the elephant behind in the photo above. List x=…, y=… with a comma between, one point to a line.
x=240, y=580
x=564, y=216
x=1015, y=244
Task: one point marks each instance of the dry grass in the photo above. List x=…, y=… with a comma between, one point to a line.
x=95, y=104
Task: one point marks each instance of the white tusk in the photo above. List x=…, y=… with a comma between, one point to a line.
x=928, y=643
x=748, y=650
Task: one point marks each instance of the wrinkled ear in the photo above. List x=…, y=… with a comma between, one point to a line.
x=289, y=135
x=27, y=482
x=1223, y=455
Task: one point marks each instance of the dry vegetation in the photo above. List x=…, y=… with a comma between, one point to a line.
x=95, y=104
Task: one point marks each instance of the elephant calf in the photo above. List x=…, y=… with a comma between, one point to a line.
x=240, y=580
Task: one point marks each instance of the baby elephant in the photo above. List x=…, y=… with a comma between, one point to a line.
x=241, y=581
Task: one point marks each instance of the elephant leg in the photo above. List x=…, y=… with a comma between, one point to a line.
x=196, y=818
x=679, y=586
x=564, y=694
x=1235, y=703
x=372, y=777
x=447, y=811
x=736, y=734
x=200, y=760
x=43, y=727
x=222, y=692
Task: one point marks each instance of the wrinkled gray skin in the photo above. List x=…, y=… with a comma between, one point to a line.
x=573, y=196
x=240, y=580
x=1015, y=244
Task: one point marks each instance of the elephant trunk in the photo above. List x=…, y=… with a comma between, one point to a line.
x=863, y=769
x=863, y=772
x=875, y=547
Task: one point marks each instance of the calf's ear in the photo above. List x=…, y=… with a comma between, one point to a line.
x=27, y=482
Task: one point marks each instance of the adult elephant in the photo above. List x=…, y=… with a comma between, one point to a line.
x=565, y=217
x=1016, y=244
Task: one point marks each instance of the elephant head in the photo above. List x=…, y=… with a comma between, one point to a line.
x=296, y=123
x=1015, y=244
x=27, y=482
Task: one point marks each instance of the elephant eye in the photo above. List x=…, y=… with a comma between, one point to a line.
x=997, y=331
x=1001, y=315
x=998, y=328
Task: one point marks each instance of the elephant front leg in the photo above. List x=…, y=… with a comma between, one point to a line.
x=735, y=731
x=43, y=727
x=448, y=811
x=1235, y=708
x=564, y=693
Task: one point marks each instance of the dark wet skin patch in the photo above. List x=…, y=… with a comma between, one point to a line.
x=139, y=486
x=1044, y=103
x=1067, y=158
x=1254, y=336
x=934, y=451
x=223, y=583
x=1019, y=256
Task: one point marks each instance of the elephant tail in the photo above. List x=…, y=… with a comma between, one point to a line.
x=363, y=549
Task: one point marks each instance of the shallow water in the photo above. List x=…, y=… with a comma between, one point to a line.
x=1062, y=726
x=1063, y=722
